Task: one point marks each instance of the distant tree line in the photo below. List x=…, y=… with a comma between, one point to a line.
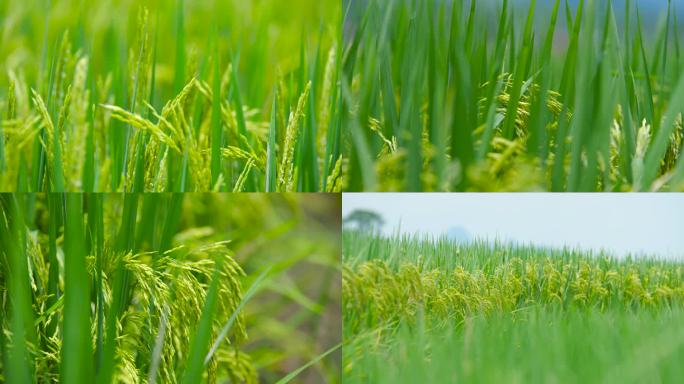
x=364, y=220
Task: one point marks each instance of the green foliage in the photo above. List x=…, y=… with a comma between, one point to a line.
x=169, y=95
x=437, y=98
x=15, y=353
x=530, y=346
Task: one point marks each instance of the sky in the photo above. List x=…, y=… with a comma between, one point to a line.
x=620, y=223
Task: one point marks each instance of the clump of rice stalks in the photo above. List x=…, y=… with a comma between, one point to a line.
x=376, y=293
x=75, y=123
x=138, y=296
x=438, y=101
x=449, y=282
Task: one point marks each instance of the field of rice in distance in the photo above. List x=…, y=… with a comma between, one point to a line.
x=159, y=288
x=420, y=309
x=513, y=96
x=169, y=95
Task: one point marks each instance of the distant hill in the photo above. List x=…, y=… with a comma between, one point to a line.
x=459, y=234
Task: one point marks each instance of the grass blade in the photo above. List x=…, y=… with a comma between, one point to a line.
x=226, y=327
x=195, y=364
x=271, y=160
x=301, y=369
x=76, y=349
x=17, y=360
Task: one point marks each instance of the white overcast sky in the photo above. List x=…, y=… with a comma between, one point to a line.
x=621, y=223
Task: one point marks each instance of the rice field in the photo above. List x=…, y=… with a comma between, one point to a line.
x=495, y=96
x=170, y=95
x=129, y=128
x=157, y=288
x=424, y=309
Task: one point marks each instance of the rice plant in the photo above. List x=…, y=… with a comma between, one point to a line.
x=437, y=310
x=487, y=96
x=154, y=288
x=167, y=95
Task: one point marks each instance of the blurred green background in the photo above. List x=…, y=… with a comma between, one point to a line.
x=267, y=34
x=296, y=315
